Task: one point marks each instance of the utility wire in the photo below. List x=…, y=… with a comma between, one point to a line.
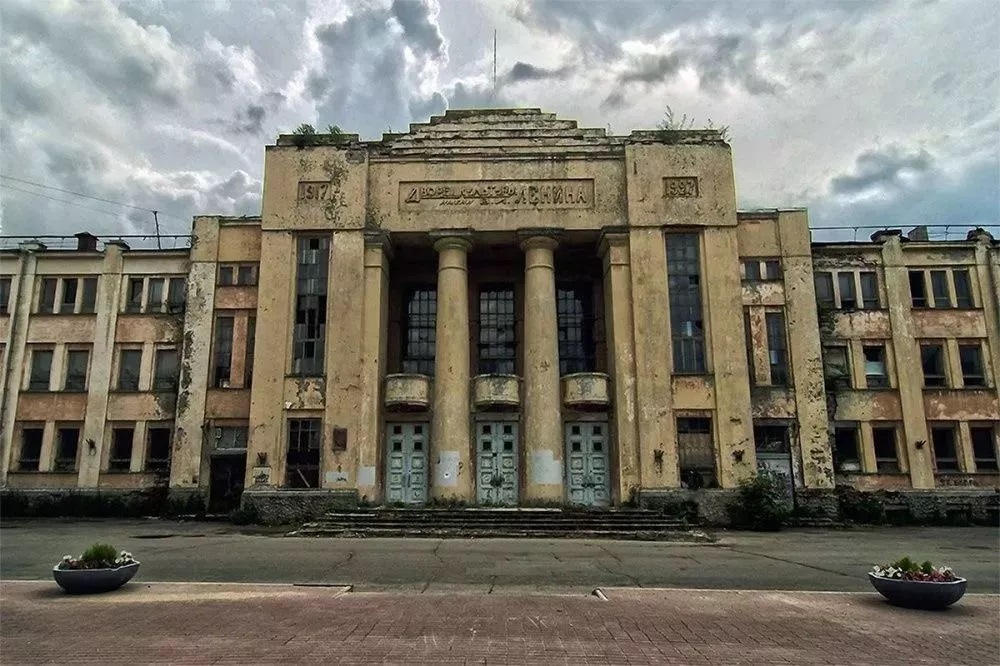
x=63, y=201
x=89, y=196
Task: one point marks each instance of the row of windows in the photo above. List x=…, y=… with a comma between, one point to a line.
x=933, y=362
x=66, y=452
x=67, y=295
x=947, y=288
x=777, y=348
x=237, y=274
x=74, y=375
x=155, y=295
x=847, y=456
x=840, y=289
x=166, y=370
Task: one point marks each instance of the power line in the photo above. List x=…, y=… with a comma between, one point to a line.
x=89, y=196
x=63, y=201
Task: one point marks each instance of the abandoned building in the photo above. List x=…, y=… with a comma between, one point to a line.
x=499, y=307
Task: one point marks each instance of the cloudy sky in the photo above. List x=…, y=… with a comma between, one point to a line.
x=869, y=113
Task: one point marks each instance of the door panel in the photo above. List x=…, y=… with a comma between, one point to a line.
x=588, y=481
x=406, y=466
x=496, y=462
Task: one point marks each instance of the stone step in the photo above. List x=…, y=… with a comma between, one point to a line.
x=553, y=524
x=506, y=533
x=495, y=516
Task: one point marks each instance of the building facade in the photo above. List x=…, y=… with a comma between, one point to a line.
x=499, y=307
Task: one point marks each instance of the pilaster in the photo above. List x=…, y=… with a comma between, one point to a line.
x=374, y=340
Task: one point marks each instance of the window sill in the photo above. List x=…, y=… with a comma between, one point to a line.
x=305, y=376
x=62, y=314
x=38, y=390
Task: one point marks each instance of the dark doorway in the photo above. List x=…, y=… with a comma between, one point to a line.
x=227, y=474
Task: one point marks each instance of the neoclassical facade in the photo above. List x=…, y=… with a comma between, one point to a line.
x=500, y=307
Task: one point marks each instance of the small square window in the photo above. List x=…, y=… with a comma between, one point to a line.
x=508, y=446
x=597, y=430
x=418, y=446
x=397, y=445
x=418, y=430
x=575, y=430
x=576, y=447
x=508, y=430
x=225, y=275
x=487, y=445
x=397, y=430
x=598, y=447
x=487, y=430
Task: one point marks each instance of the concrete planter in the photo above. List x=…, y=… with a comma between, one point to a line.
x=90, y=581
x=925, y=595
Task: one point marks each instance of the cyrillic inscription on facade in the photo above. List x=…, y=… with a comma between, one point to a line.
x=497, y=194
x=680, y=186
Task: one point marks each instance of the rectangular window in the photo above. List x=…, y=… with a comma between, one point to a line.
x=76, y=370
x=67, y=448
x=696, y=452
x=963, y=289
x=876, y=376
x=67, y=303
x=248, y=362
x=984, y=448
x=497, y=330
x=120, y=456
x=932, y=362
x=971, y=358
x=824, y=290
x=246, y=275
x=129, y=362
x=31, y=448
x=884, y=442
x=771, y=438
x=231, y=437
x=5, y=291
x=302, y=461
x=918, y=289
x=223, y=352
x=419, y=330
x=836, y=368
x=748, y=341
x=684, y=285
x=945, y=453
x=88, y=303
x=176, y=295
x=848, y=295
x=772, y=269
x=575, y=316
x=154, y=301
x=846, y=452
x=225, y=275
x=751, y=270
x=166, y=370
x=939, y=287
x=309, y=332
x=41, y=370
x=777, y=346
x=158, y=449
x=135, y=288
x=47, y=296
x=869, y=290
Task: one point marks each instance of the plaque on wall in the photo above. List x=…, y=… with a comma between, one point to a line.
x=458, y=195
x=680, y=186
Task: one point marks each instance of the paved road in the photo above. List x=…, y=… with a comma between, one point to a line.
x=232, y=624
x=789, y=560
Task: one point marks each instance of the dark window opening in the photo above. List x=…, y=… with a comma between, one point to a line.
x=945, y=453
x=76, y=370
x=225, y=275
x=154, y=301
x=68, y=301
x=166, y=371
x=31, y=449
x=129, y=363
x=748, y=341
x=848, y=295
x=884, y=443
x=869, y=290
x=47, y=298
x=248, y=362
x=176, y=295
x=696, y=452
x=88, y=302
x=836, y=368
x=120, y=456
x=575, y=315
x=309, y=332
x=876, y=376
x=984, y=448
x=302, y=459
x=223, y=353
x=231, y=437
x=246, y=275
x=963, y=289
x=420, y=331
x=772, y=269
x=846, y=452
x=751, y=270
x=497, y=330
x=67, y=448
x=684, y=285
x=158, y=449
x=772, y=438
x=939, y=287
x=918, y=289
x=134, y=302
x=824, y=290
x=777, y=346
x=41, y=370
x=932, y=362
x=5, y=290
x=971, y=358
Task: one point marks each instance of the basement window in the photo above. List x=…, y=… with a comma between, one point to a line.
x=945, y=452
x=302, y=459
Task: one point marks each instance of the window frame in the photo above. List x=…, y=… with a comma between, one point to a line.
x=686, y=304
x=34, y=428
x=496, y=337
x=311, y=306
x=67, y=375
x=839, y=460
x=222, y=350
x=158, y=465
x=694, y=425
x=883, y=348
x=35, y=385
x=993, y=430
x=846, y=381
x=161, y=382
x=980, y=380
x=575, y=318
x=777, y=332
x=122, y=351
x=943, y=355
x=419, y=317
x=61, y=463
x=951, y=428
x=301, y=429
x=893, y=465
x=6, y=291
x=114, y=461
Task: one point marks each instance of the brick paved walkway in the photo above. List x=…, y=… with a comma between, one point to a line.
x=177, y=623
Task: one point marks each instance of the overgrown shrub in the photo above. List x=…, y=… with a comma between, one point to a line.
x=762, y=503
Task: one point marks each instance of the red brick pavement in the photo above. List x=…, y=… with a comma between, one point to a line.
x=177, y=623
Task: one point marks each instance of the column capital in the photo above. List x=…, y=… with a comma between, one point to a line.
x=539, y=237
x=378, y=238
x=612, y=237
x=447, y=239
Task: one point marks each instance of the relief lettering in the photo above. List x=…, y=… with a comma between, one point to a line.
x=680, y=186
x=496, y=194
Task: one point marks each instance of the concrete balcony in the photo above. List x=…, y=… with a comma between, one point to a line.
x=496, y=391
x=585, y=390
x=408, y=392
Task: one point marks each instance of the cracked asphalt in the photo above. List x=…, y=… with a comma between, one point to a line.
x=834, y=560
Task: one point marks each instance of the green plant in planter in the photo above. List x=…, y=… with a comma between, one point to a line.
x=762, y=503
x=98, y=556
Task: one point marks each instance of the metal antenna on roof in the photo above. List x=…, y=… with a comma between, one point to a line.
x=156, y=223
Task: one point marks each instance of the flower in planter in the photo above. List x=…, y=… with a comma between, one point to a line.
x=907, y=569
x=98, y=556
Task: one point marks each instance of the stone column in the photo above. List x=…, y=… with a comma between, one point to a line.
x=453, y=476
x=543, y=437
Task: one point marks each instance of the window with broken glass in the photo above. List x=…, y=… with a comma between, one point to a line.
x=497, y=330
x=31, y=448
x=884, y=443
x=876, y=376
x=302, y=458
x=684, y=287
x=76, y=370
x=970, y=355
x=777, y=348
x=933, y=364
x=836, y=367
x=67, y=448
x=166, y=370
x=696, y=452
x=120, y=456
x=846, y=452
x=158, y=449
x=420, y=330
x=945, y=451
x=309, y=332
x=222, y=357
x=575, y=322
x=984, y=447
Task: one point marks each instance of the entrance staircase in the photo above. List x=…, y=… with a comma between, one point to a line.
x=501, y=523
